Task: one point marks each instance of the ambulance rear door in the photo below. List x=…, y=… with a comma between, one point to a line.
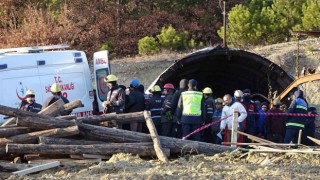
x=101, y=69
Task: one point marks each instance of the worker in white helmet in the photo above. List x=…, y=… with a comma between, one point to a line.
x=29, y=104
x=56, y=95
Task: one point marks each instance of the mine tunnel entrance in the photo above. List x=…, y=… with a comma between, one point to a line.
x=225, y=70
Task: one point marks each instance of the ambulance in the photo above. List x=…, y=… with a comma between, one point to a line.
x=39, y=67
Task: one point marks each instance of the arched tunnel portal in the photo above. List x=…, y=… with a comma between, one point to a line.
x=225, y=70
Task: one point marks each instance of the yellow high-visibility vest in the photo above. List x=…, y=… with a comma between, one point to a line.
x=191, y=103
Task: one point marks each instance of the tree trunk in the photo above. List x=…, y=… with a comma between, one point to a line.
x=43, y=123
x=34, y=136
x=51, y=140
x=155, y=138
x=68, y=117
x=12, y=131
x=105, y=149
x=121, y=118
x=175, y=145
x=52, y=110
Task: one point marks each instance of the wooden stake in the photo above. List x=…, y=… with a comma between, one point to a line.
x=155, y=138
x=299, y=137
x=235, y=124
x=317, y=141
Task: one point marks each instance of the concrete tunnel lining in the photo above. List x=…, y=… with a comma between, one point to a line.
x=225, y=70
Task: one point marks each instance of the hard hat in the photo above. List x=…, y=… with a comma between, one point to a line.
x=168, y=86
x=219, y=100
x=111, y=78
x=156, y=88
x=207, y=90
x=55, y=88
x=238, y=94
x=134, y=83
x=30, y=92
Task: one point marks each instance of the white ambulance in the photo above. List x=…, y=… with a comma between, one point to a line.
x=39, y=67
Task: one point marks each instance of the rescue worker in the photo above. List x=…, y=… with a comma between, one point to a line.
x=227, y=115
x=210, y=106
x=168, y=124
x=191, y=110
x=252, y=121
x=154, y=106
x=238, y=95
x=135, y=103
x=56, y=95
x=217, y=117
x=310, y=127
x=116, y=96
x=183, y=86
x=275, y=124
x=295, y=123
x=30, y=103
x=262, y=125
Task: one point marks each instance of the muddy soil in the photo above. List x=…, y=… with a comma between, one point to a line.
x=219, y=166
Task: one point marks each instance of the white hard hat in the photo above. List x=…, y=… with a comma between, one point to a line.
x=238, y=94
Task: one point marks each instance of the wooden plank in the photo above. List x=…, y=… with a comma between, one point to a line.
x=262, y=144
x=317, y=141
x=260, y=140
x=38, y=168
x=155, y=138
x=95, y=156
x=8, y=166
x=307, y=151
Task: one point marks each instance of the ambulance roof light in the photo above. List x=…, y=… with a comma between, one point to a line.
x=34, y=49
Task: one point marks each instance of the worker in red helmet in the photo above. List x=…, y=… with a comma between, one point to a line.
x=168, y=122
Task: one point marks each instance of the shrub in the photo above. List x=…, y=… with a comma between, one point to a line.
x=148, y=46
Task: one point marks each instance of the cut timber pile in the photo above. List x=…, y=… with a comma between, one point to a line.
x=47, y=135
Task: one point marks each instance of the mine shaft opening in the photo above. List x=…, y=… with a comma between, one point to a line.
x=226, y=70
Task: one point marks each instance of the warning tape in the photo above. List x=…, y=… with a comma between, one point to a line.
x=266, y=113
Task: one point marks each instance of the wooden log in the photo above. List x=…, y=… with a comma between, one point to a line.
x=105, y=149
x=8, y=166
x=155, y=138
x=72, y=105
x=12, y=131
x=40, y=123
x=38, y=168
x=54, y=109
x=34, y=136
x=51, y=140
x=175, y=145
x=68, y=117
x=120, y=118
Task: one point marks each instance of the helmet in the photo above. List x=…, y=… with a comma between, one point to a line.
x=30, y=92
x=219, y=100
x=207, y=90
x=156, y=88
x=238, y=94
x=168, y=86
x=111, y=78
x=55, y=88
x=134, y=83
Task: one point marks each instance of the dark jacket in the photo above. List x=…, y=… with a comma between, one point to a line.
x=275, y=124
x=52, y=99
x=154, y=106
x=216, y=117
x=34, y=107
x=135, y=102
x=298, y=105
x=117, y=98
x=183, y=86
x=210, y=107
x=166, y=109
x=252, y=120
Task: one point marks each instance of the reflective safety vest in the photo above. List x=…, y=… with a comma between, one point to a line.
x=301, y=104
x=302, y=107
x=191, y=103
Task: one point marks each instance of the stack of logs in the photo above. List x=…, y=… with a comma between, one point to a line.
x=49, y=134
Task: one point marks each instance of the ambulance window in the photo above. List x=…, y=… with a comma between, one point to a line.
x=102, y=87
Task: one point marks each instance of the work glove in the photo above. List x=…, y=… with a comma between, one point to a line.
x=169, y=116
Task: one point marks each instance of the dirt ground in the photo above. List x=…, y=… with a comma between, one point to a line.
x=219, y=166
